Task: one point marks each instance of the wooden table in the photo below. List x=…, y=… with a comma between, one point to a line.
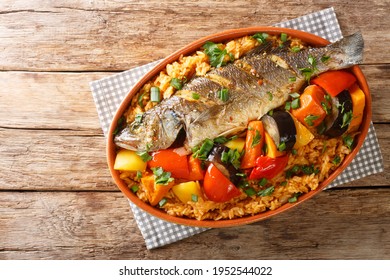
x=57, y=198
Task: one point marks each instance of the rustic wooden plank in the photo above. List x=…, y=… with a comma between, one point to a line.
x=48, y=100
x=64, y=100
x=337, y=224
x=73, y=160
x=118, y=35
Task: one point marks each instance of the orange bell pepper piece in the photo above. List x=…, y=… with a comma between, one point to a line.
x=155, y=192
x=311, y=112
x=253, y=144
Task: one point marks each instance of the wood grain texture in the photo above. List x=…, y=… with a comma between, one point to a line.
x=70, y=160
x=90, y=225
x=118, y=35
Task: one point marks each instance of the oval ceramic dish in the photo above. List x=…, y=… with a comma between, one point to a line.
x=189, y=49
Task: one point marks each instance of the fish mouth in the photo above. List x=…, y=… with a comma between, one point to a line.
x=127, y=140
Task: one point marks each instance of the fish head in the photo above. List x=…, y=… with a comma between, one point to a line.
x=157, y=129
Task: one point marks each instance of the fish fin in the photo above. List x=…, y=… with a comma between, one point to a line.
x=352, y=46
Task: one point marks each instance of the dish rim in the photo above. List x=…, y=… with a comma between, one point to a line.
x=312, y=40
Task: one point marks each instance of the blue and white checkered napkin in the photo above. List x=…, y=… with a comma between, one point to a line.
x=109, y=92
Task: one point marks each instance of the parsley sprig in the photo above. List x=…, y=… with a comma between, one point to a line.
x=161, y=177
x=215, y=54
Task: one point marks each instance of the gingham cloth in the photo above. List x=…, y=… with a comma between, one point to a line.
x=109, y=92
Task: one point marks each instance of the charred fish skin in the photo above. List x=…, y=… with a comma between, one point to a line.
x=256, y=83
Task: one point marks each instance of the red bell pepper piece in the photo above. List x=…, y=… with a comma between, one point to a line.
x=267, y=167
x=217, y=187
x=172, y=162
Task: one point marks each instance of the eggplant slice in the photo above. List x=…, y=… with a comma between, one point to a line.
x=281, y=127
x=337, y=122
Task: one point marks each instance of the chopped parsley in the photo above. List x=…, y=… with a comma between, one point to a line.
x=215, y=54
x=310, y=118
x=347, y=118
x=139, y=175
x=287, y=106
x=256, y=139
x=161, y=177
x=308, y=72
x=144, y=155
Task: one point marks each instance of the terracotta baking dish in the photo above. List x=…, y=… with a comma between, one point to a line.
x=222, y=37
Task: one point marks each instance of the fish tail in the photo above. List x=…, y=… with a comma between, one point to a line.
x=352, y=47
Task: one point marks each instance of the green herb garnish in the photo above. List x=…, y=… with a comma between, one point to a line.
x=204, y=150
x=295, y=49
x=294, y=152
x=139, y=175
x=233, y=157
x=155, y=94
x=223, y=94
x=310, y=118
x=348, y=141
x=215, y=54
x=294, y=198
x=176, y=83
x=283, y=37
x=195, y=96
x=140, y=100
x=162, y=202
x=161, y=177
x=287, y=106
x=256, y=139
x=270, y=96
x=292, y=79
x=194, y=197
x=119, y=124
x=282, y=146
x=296, y=103
x=134, y=188
x=347, y=118
x=250, y=191
x=336, y=160
x=144, y=155
x=260, y=37
x=263, y=182
x=325, y=58
x=266, y=192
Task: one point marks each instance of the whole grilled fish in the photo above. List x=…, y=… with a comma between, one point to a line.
x=253, y=85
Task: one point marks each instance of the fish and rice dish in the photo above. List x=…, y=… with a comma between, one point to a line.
x=241, y=127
